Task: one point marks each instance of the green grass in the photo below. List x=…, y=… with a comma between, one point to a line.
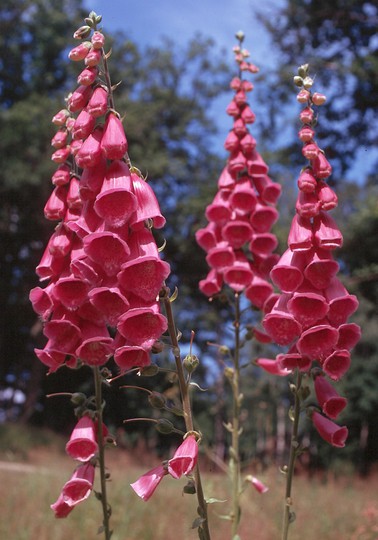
x=327, y=509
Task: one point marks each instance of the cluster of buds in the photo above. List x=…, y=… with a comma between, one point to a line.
x=237, y=239
x=82, y=447
x=181, y=464
x=101, y=264
x=311, y=314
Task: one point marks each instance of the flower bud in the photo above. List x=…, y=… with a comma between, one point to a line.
x=164, y=426
x=318, y=99
x=149, y=371
x=60, y=118
x=303, y=96
x=157, y=400
x=298, y=81
x=82, y=32
x=80, y=52
x=98, y=40
x=308, y=82
x=191, y=362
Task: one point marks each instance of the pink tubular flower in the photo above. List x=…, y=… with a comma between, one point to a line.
x=329, y=431
x=326, y=233
x=82, y=444
x=145, y=486
x=89, y=154
x=114, y=144
x=300, y=234
x=258, y=485
x=272, y=366
x=147, y=207
x=98, y=103
x=329, y=400
x=79, y=487
x=79, y=98
x=184, y=459
x=142, y=326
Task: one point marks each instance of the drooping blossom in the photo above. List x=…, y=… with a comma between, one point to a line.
x=101, y=269
x=82, y=444
x=76, y=490
x=259, y=486
x=311, y=314
x=182, y=463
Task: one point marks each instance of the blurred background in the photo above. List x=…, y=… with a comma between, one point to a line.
x=175, y=61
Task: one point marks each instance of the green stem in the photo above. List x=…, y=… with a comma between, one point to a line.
x=203, y=529
x=236, y=403
x=288, y=515
x=101, y=453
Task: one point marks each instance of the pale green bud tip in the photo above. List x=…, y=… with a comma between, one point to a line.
x=82, y=32
x=303, y=70
x=240, y=35
x=308, y=82
x=78, y=398
x=191, y=362
x=298, y=81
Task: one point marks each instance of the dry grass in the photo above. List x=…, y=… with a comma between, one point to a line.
x=327, y=510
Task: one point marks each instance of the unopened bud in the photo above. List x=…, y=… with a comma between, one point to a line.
x=78, y=398
x=223, y=349
x=298, y=81
x=191, y=362
x=308, y=82
x=318, y=99
x=82, y=32
x=303, y=70
x=149, y=371
x=229, y=372
x=157, y=400
x=164, y=426
x=190, y=488
x=157, y=347
x=240, y=35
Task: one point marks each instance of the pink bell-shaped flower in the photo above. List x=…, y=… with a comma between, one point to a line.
x=84, y=125
x=225, y=180
x=321, y=166
x=326, y=196
x=236, y=163
x=63, y=331
x=61, y=176
x=308, y=204
x=212, y=284
x=341, y=304
x=280, y=323
x=220, y=256
x=318, y=341
x=142, y=326
x=326, y=232
x=113, y=143
x=87, y=76
x=147, y=207
x=307, y=182
x=82, y=444
x=50, y=265
x=239, y=275
x=70, y=291
x=219, y=210
x=89, y=154
x=56, y=205
x=98, y=103
x=79, y=487
x=258, y=291
x=256, y=165
x=91, y=181
x=321, y=269
x=263, y=243
x=208, y=237
x=41, y=301
x=247, y=144
x=307, y=306
x=96, y=345
x=144, y=274
x=79, y=98
x=272, y=366
x=337, y=364
x=269, y=191
x=60, y=508
x=293, y=360
x=329, y=400
x=184, y=459
x=146, y=485
x=116, y=201
x=51, y=357
x=232, y=142
x=349, y=336
x=287, y=274
x=329, y=431
x=243, y=198
x=110, y=302
x=128, y=357
x=300, y=234
x=108, y=250
x=237, y=232
x=263, y=217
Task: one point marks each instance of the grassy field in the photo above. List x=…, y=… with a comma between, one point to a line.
x=327, y=509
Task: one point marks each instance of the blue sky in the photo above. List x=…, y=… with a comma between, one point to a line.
x=145, y=21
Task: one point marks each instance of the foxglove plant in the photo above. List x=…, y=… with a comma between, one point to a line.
x=311, y=314
x=102, y=268
x=239, y=245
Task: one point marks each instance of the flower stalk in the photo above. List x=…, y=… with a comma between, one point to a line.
x=203, y=527
x=106, y=508
x=288, y=514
